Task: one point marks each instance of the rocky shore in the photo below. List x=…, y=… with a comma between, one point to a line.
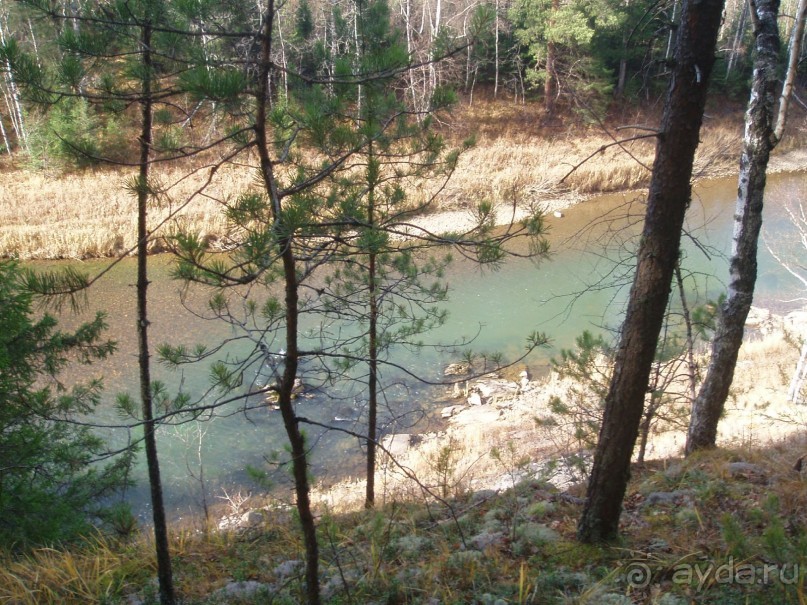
x=492, y=439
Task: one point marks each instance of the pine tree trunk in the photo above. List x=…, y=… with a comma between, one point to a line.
x=692, y=367
x=657, y=256
x=164, y=572
x=757, y=145
x=372, y=379
x=372, y=388
x=299, y=458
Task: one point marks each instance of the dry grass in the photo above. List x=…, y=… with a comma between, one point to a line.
x=103, y=570
x=518, y=546
x=88, y=574
x=91, y=214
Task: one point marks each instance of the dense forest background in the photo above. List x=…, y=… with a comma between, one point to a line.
x=581, y=58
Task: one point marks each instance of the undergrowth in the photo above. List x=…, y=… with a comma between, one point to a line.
x=725, y=527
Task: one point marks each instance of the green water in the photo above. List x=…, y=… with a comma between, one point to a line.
x=582, y=286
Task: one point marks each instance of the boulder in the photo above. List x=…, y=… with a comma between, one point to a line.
x=448, y=412
x=795, y=324
x=486, y=540
x=241, y=590
x=757, y=317
x=346, y=413
x=397, y=444
x=457, y=369
x=458, y=391
x=252, y=518
x=748, y=471
x=478, y=415
x=288, y=568
x=494, y=391
x=680, y=496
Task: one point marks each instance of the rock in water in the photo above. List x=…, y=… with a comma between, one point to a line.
x=457, y=369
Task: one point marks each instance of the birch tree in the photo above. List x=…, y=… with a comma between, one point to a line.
x=761, y=136
x=11, y=96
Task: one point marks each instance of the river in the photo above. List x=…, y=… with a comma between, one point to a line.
x=582, y=286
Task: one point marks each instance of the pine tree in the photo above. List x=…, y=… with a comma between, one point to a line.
x=139, y=42
x=657, y=258
x=51, y=485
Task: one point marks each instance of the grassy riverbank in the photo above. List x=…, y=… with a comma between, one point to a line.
x=91, y=214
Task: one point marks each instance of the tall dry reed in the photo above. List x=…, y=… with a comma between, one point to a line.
x=91, y=214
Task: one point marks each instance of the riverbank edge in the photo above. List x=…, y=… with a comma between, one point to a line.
x=793, y=161
x=492, y=446
x=492, y=442
x=43, y=217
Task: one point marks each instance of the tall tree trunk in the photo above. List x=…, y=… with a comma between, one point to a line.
x=3, y=133
x=496, y=53
x=622, y=76
x=671, y=36
x=299, y=458
x=34, y=42
x=406, y=13
x=794, y=52
x=13, y=98
x=757, y=145
x=797, y=382
x=372, y=378
x=164, y=572
x=283, y=59
x=692, y=367
x=434, y=31
x=358, y=53
x=657, y=256
x=736, y=44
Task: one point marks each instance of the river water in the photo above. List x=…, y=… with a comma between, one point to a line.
x=582, y=286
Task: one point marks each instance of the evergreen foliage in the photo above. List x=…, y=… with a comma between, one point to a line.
x=52, y=487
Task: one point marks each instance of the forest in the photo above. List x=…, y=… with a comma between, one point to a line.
x=321, y=137
x=581, y=59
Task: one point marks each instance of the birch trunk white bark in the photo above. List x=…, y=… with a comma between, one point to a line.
x=758, y=143
x=794, y=53
x=13, y=98
x=796, y=385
